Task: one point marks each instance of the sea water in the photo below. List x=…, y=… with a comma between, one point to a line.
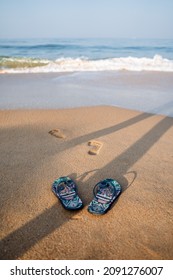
x=64, y=73
x=65, y=55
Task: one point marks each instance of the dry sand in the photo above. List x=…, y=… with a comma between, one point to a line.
x=137, y=151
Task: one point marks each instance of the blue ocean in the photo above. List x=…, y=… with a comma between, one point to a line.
x=65, y=55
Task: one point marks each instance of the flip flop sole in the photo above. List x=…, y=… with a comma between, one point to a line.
x=65, y=190
x=105, y=194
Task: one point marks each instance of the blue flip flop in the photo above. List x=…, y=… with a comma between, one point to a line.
x=105, y=193
x=66, y=190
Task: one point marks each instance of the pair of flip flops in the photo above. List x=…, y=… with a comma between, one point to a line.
x=105, y=193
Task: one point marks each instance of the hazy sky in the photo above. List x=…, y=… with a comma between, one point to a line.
x=86, y=18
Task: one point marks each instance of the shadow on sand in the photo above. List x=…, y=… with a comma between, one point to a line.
x=19, y=241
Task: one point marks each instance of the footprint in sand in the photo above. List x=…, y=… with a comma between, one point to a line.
x=97, y=145
x=57, y=133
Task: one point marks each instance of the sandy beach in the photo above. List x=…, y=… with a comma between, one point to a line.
x=137, y=152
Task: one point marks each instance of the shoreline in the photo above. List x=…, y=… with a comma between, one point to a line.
x=136, y=152
x=143, y=91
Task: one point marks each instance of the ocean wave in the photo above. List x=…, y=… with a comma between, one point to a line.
x=10, y=63
x=28, y=65
x=41, y=47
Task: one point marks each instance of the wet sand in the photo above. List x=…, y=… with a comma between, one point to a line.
x=144, y=91
x=137, y=152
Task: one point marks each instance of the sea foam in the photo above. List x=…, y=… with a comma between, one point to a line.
x=28, y=65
